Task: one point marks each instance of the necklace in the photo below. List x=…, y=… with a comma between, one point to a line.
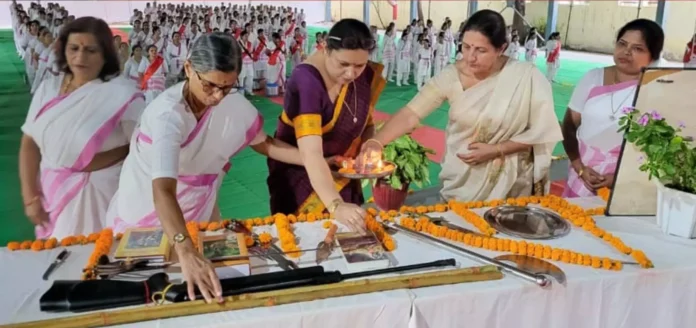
x=355, y=103
x=66, y=85
x=612, y=116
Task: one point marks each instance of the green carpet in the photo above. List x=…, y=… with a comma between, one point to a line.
x=243, y=193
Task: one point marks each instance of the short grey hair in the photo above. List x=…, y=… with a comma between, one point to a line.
x=215, y=51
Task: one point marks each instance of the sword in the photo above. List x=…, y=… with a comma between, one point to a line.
x=59, y=260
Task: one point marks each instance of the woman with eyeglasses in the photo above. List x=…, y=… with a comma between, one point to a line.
x=180, y=152
x=327, y=112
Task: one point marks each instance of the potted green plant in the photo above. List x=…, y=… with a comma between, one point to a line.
x=670, y=159
x=412, y=166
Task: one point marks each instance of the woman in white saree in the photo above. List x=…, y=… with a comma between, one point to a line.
x=590, y=125
x=181, y=151
x=76, y=134
x=502, y=126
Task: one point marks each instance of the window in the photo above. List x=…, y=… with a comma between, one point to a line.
x=634, y=3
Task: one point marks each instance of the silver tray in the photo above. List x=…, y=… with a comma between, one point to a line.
x=527, y=222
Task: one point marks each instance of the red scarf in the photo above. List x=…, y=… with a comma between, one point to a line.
x=150, y=71
x=208, y=30
x=237, y=32
x=297, y=46
x=689, y=51
x=273, y=58
x=182, y=29
x=248, y=50
x=554, y=53
x=259, y=48
x=290, y=29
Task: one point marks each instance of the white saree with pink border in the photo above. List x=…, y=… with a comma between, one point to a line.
x=70, y=130
x=203, y=159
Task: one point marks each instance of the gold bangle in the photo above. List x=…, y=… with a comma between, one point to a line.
x=334, y=205
x=375, y=140
x=500, y=150
x=581, y=171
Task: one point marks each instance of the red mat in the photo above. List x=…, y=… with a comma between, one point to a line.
x=124, y=35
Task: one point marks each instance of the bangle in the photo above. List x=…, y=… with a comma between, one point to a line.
x=32, y=201
x=334, y=205
x=500, y=150
x=376, y=141
x=581, y=171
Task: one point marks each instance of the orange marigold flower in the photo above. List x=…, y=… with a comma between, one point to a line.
x=13, y=245
x=37, y=245
x=25, y=244
x=249, y=241
x=265, y=238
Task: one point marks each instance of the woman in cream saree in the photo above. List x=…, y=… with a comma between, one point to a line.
x=502, y=125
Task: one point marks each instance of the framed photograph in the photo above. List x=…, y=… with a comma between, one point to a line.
x=670, y=92
x=145, y=239
x=221, y=247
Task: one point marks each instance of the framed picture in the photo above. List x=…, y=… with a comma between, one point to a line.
x=670, y=92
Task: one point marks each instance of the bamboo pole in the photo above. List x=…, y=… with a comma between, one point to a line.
x=271, y=298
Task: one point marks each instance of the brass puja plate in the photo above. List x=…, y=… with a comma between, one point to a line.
x=337, y=168
x=527, y=222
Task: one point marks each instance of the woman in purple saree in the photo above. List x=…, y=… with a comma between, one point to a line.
x=328, y=112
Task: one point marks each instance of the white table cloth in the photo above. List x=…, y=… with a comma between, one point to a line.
x=635, y=298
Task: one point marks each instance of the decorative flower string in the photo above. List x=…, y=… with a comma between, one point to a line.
x=573, y=213
x=102, y=247
x=192, y=229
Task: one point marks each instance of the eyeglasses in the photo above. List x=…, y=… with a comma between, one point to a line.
x=354, y=43
x=210, y=87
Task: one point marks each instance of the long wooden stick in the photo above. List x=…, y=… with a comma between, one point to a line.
x=271, y=298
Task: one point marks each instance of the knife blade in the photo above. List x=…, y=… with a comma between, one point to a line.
x=325, y=247
x=58, y=261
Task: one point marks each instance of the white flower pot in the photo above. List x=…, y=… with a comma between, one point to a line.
x=676, y=212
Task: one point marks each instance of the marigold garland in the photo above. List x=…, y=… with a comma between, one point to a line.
x=102, y=246
x=575, y=214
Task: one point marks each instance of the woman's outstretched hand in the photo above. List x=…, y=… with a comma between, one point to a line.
x=199, y=272
x=352, y=216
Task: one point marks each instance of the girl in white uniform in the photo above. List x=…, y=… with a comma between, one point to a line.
x=403, y=59
x=246, y=76
x=175, y=55
x=180, y=153
x=530, y=46
x=513, y=48
x=425, y=64
x=153, y=73
x=440, y=60
x=553, y=56
x=130, y=70
x=70, y=153
x=389, y=54
x=30, y=42
x=46, y=59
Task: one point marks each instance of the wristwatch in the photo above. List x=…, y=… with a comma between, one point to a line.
x=334, y=205
x=179, y=238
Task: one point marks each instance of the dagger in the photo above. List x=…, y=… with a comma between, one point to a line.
x=58, y=261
